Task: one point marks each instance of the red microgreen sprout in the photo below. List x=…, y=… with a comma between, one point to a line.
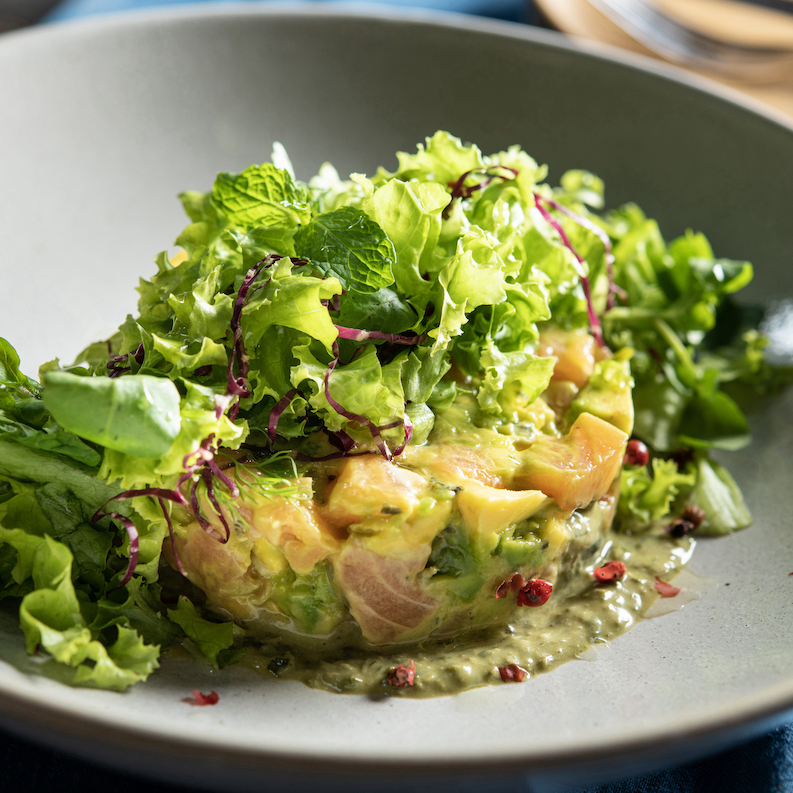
x=207, y=477
x=275, y=414
x=114, y=363
x=134, y=548
x=595, y=327
x=340, y=439
x=610, y=572
x=195, y=460
x=403, y=675
x=636, y=453
x=666, y=590
x=173, y=539
x=161, y=494
x=201, y=700
x=353, y=334
x=196, y=509
x=203, y=460
x=613, y=289
x=459, y=189
x=229, y=483
x=408, y=428
x=238, y=384
x=512, y=673
x=342, y=411
x=535, y=593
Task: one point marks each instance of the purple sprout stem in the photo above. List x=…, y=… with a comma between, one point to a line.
x=459, y=190
x=162, y=495
x=594, y=323
x=341, y=410
x=134, y=546
x=238, y=385
x=196, y=508
x=170, y=534
x=353, y=334
x=202, y=454
x=155, y=492
x=340, y=439
x=275, y=414
x=408, y=425
x=603, y=237
x=207, y=476
x=230, y=484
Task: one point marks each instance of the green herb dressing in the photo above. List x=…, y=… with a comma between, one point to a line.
x=580, y=614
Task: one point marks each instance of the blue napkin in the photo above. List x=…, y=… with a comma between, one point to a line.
x=511, y=10
x=764, y=765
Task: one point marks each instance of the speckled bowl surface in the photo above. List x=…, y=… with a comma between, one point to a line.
x=103, y=123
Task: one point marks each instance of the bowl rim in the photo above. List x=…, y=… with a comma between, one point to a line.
x=748, y=713
x=375, y=10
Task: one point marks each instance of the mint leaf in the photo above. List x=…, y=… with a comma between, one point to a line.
x=349, y=245
x=262, y=195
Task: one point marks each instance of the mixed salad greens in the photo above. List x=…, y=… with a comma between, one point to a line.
x=310, y=320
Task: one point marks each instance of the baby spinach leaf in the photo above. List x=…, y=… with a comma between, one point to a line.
x=60, y=442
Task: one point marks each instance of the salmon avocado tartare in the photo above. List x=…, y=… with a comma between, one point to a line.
x=408, y=433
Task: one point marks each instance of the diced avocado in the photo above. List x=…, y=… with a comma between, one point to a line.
x=520, y=551
x=457, y=561
x=607, y=394
x=310, y=600
x=488, y=511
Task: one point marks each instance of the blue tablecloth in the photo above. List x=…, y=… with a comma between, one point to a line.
x=512, y=10
x=764, y=765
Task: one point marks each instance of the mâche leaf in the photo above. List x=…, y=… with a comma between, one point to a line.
x=133, y=415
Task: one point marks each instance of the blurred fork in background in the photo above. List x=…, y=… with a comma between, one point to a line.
x=745, y=23
x=681, y=43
